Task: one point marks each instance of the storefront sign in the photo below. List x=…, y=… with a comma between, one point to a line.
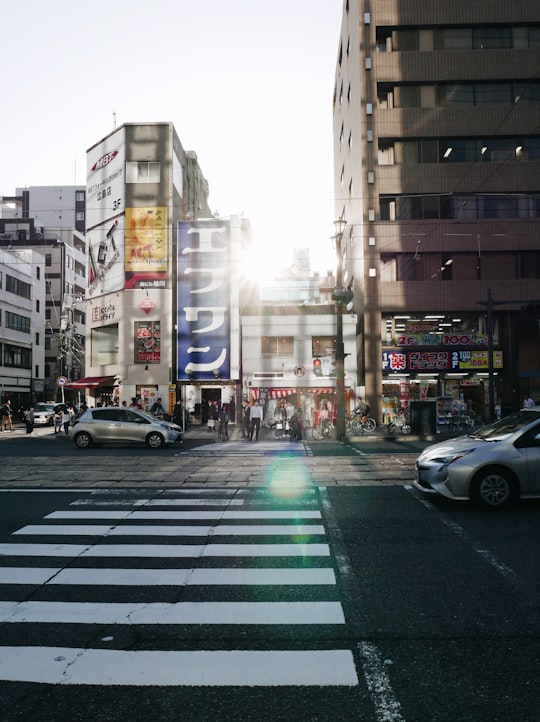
x=442, y=339
x=395, y=361
x=147, y=342
x=204, y=300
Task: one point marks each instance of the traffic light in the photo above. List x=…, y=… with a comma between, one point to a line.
x=317, y=371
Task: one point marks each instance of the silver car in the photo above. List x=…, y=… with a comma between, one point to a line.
x=493, y=466
x=44, y=414
x=116, y=424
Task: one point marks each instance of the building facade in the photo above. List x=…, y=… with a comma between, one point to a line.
x=50, y=220
x=22, y=338
x=437, y=173
x=163, y=293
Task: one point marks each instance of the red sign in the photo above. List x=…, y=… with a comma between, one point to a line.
x=147, y=305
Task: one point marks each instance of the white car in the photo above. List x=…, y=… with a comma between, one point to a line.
x=44, y=414
x=116, y=424
x=493, y=466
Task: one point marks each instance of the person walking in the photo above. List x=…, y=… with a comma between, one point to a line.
x=57, y=420
x=66, y=419
x=157, y=408
x=255, y=417
x=212, y=416
x=245, y=419
x=29, y=420
x=178, y=414
x=7, y=414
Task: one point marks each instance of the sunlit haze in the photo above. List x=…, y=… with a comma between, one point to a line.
x=248, y=85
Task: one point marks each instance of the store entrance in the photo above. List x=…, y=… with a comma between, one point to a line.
x=212, y=395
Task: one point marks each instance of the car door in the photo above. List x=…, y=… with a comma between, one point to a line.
x=134, y=427
x=529, y=444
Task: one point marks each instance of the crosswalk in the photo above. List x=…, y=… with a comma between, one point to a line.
x=243, y=447
x=211, y=567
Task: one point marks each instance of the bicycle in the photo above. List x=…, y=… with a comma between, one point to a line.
x=399, y=424
x=361, y=424
x=323, y=431
x=223, y=431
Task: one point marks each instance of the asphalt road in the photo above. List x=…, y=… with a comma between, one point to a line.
x=397, y=609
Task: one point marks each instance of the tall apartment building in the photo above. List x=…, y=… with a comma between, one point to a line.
x=51, y=220
x=22, y=341
x=437, y=173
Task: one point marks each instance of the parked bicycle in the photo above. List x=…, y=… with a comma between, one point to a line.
x=324, y=430
x=400, y=423
x=359, y=424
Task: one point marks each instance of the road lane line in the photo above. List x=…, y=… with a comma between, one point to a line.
x=185, y=515
x=166, y=550
x=72, y=666
x=167, y=577
x=237, y=613
x=387, y=707
x=171, y=530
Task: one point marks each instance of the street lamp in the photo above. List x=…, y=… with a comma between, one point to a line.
x=341, y=297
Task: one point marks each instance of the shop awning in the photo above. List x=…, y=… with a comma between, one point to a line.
x=284, y=392
x=91, y=382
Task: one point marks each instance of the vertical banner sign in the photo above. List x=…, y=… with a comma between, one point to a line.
x=146, y=247
x=105, y=204
x=204, y=292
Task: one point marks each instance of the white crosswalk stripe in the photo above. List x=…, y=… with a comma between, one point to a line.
x=249, y=448
x=268, y=568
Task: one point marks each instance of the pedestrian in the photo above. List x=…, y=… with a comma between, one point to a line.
x=66, y=419
x=29, y=420
x=245, y=419
x=528, y=403
x=178, y=414
x=255, y=417
x=157, y=408
x=136, y=403
x=7, y=413
x=212, y=416
x=57, y=417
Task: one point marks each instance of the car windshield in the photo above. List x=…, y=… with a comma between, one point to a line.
x=44, y=407
x=508, y=425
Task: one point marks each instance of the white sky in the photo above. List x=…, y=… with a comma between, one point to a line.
x=248, y=85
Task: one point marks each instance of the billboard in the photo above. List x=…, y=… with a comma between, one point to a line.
x=205, y=292
x=145, y=255
x=439, y=361
x=105, y=204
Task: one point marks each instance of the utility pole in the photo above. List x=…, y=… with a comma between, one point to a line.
x=341, y=296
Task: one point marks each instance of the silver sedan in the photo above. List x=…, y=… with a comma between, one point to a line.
x=113, y=424
x=493, y=466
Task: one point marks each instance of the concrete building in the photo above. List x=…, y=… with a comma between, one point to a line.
x=22, y=341
x=163, y=294
x=437, y=173
x=51, y=219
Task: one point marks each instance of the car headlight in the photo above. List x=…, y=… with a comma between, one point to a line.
x=450, y=458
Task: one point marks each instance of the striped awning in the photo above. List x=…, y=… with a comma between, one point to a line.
x=283, y=393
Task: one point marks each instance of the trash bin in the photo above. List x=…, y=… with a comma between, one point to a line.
x=423, y=417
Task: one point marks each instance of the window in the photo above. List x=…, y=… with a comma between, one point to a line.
x=142, y=172
x=18, y=287
x=104, y=345
x=323, y=346
x=79, y=196
x=277, y=346
x=17, y=357
x=48, y=259
x=17, y=322
x=79, y=216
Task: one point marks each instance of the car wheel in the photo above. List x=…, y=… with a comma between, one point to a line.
x=406, y=429
x=494, y=488
x=83, y=440
x=155, y=440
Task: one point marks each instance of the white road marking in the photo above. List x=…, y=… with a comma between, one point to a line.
x=166, y=550
x=387, y=707
x=167, y=577
x=171, y=530
x=69, y=666
x=181, y=613
x=185, y=515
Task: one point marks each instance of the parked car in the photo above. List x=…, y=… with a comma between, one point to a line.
x=493, y=466
x=116, y=424
x=43, y=414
